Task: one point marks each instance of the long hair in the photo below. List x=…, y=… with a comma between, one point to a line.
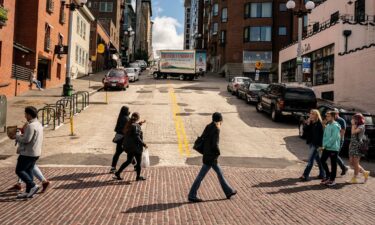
x=134, y=118
x=317, y=113
x=359, y=119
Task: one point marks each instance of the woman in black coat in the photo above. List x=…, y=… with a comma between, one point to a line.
x=122, y=119
x=211, y=153
x=133, y=145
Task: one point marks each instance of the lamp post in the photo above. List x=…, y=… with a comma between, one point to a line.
x=72, y=6
x=129, y=33
x=300, y=13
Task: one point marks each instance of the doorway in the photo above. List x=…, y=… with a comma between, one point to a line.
x=43, y=71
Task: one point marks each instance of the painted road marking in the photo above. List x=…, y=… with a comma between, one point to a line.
x=183, y=143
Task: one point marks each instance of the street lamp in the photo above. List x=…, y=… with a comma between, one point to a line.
x=72, y=6
x=129, y=33
x=300, y=13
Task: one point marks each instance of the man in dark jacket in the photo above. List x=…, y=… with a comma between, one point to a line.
x=122, y=119
x=211, y=153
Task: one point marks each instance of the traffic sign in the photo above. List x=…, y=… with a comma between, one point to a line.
x=306, y=65
x=258, y=65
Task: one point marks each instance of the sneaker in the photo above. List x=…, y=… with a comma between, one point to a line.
x=140, y=179
x=352, y=181
x=324, y=181
x=45, y=186
x=117, y=176
x=113, y=170
x=366, y=174
x=16, y=187
x=195, y=200
x=23, y=195
x=344, y=171
x=331, y=183
x=33, y=191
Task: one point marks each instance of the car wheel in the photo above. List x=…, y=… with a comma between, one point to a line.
x=182, y=77
x=274, y=114
x=165, y=77
x=259, y=107
x=247, y=100
x=156, y=76
x=301, y=131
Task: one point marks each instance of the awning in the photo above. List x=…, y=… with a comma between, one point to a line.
x=22, y=48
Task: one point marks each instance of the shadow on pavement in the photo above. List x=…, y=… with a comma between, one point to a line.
x=76, y=176
x=10, y=196
x=278, y=183
x=91, y=184
x=163, y=206
x=316, y=187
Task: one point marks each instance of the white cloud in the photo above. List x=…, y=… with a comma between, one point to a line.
x=165, y=35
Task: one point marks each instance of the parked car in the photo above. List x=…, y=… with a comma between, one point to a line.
x=249, y=91
x=132, y=74
x=346, y=113
x=235, y=83
x=116, y=79
x=286, y=99
x=142, y=64
x=136, y=67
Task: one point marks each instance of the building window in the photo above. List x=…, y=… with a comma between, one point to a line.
x=258, y=10
x=360, y=11
x=282, y=31
x=255, y=56
x=316, y=27
x=323, y=66
x=58, y=72
x=260, y=33
x=282, y=7
x=215, y=10
x=223, y=37
x=78, y=24
x=335, y=17
x=61, y=40
x=215, y=28
x=224, y=15
x=106, y=7
x=328, y=95
x=84, y=31
x=246, y=34
x=50, y=6
x=47, y=38
x=77, y=56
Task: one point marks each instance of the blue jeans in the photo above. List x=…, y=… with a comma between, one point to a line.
x=37, y=173
x=314, y=156
x=24, y=170
x=38, y=84
x=202, y=173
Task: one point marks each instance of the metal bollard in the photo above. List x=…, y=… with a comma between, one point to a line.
x=71, y=125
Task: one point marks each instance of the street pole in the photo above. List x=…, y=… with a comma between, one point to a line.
x=299, y=51
x=68, y=87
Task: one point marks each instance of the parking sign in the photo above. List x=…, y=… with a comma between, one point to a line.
x=306, y=65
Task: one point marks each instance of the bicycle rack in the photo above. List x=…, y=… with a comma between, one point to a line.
x=85, y=98
x=46, y=116
x=60, y=112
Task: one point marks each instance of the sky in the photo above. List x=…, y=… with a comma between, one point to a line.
x=168, y=17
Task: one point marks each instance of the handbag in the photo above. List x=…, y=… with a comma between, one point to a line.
x=118, y=138
x=145, y=159
x=199, y=145
x=364, y=143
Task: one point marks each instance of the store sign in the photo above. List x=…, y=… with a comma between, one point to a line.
x=306, y=65
x=257, y=73
x=101, y=48
x=257, y=56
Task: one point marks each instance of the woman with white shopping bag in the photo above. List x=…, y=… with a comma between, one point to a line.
x=133, y=145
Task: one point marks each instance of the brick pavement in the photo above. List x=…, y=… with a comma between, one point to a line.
x=265, y=196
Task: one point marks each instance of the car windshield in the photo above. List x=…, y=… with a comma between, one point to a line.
x=242, y=80
x=299, y=93
x=130, y=70
x=116, y=73
x=257, y=87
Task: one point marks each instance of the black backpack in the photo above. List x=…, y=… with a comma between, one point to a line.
x=199, y=145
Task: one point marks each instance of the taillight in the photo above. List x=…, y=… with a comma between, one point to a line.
x=236, y=85
x=280, y=104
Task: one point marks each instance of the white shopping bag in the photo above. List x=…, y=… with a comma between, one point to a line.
x=145, y=159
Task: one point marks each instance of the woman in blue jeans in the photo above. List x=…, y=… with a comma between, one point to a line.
x=314, y=134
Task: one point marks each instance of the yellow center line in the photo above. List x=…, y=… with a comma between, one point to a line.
x=183, y=143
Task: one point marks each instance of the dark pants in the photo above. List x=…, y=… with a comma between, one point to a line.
x=340, y=162
x=24, y=170
x=117, y=154
x=333, y=155
x=202, y=173
x=138, y=158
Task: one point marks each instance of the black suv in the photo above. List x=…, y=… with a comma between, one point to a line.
x=286, y=99
x=346, y=113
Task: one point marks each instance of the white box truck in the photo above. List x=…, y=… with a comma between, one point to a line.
x=184, y=64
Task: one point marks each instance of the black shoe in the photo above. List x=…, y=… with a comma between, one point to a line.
x=117, y=176
x=195, y=200
x=344, y=171
x=230, y=195
x=113, y=170
x=140, y=179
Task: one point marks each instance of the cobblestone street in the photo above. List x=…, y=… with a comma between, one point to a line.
x=265, y=196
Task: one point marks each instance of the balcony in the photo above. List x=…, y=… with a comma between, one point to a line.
x=3, y=16
x=50, y=6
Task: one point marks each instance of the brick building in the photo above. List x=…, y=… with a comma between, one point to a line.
x=239, y=33
x=143, y=27
x=98, y=35
x=7, y=13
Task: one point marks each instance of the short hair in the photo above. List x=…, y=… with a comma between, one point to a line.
x=32, y=111
x=332, y=113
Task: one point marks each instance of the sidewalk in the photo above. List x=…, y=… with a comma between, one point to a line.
x=265, y=196
x=38, y=99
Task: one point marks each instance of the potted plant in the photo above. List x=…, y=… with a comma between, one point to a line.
x=3, y=16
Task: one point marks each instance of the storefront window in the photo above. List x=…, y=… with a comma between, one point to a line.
x=288, y=71
x=323, y=66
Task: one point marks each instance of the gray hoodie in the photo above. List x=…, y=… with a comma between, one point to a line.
x=30, y=143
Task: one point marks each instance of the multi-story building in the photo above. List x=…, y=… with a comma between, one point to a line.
x=338, y=47
x=80, y=46
x=127, y=34
x=187, y=34
x=8, y=85
x=40, y=27
x=196, y=27
x=109, y=13
x=240, y=33
x=143, y=24
x=99, y=36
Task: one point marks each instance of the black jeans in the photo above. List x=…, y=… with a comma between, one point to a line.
x=333, y=155
x=24, y=170
x=117, y=154
x=138, y=158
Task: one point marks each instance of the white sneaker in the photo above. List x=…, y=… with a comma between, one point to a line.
x=23, y=195
x=33, y=191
